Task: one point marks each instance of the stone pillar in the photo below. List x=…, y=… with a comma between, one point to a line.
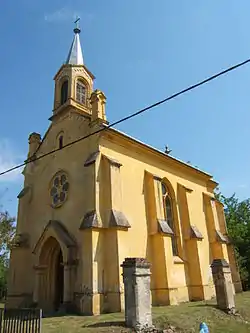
x=223, y=285
x=39, y=270
x=116, y=234
x=164, y=290
x=67, y=287
x=36, y=287
x=136, y=278
x=67, y=306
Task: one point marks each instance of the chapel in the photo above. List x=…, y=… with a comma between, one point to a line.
x=98, y=196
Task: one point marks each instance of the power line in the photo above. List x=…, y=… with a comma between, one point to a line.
x=131, y=115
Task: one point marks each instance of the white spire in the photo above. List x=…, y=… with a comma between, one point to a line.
x=75, y=56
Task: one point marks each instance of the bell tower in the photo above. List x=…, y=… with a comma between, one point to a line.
x=73, y=82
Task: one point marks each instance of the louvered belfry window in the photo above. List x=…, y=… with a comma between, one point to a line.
x=80, y=93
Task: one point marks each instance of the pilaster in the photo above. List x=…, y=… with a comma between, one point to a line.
x=159, y=236
x=92, y=234
x=67, y=294
x=92, y=267
x=115, y=235
x=39, y=273
x=192, y=239
x=217, y=239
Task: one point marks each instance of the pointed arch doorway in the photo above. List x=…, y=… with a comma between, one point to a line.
x=55, y=257
x=51, y=286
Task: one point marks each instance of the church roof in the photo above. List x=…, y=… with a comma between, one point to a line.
x=180, y=162
x=75, y=56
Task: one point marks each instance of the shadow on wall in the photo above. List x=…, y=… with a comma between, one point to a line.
x=155, y=253
x=149, y=249
x=184, y=221
x=208, y=232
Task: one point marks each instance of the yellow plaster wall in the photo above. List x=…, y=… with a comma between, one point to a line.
x=197, y=218
x=135, y=162
x=20, y=283
x=132, y=190
x=68, y=160
x=38, y=211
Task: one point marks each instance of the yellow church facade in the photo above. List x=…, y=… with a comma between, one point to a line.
x=90, y=202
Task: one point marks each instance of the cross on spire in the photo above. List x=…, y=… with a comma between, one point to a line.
x=75, y=56
x=77, y=29
x=76, y=21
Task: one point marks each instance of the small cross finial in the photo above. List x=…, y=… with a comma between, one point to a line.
x=77, y=28
x=76, y=21
x=167, y=150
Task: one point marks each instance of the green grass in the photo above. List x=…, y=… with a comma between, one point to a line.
x=185, y=317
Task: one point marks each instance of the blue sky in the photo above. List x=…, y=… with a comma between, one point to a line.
x=140, y=52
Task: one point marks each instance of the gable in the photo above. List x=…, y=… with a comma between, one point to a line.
x=71, y=125
x=57, y=230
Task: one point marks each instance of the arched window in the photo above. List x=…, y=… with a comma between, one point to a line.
x=80, y=92
x=60, y=142
x=64, y=92
x=168, y=211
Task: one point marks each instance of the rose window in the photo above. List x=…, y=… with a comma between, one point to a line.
x=59, y=189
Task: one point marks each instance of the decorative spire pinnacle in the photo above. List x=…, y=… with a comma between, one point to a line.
x=75, y=56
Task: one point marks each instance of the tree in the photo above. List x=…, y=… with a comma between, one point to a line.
x=237, y=216
x=7, y=231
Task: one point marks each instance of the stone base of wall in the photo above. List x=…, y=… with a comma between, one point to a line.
x=196, y=293
x=182, y=295
x=169, y=296
x=202, y=292
x=174, y=296
x=99, y=303
x=209, y=291
x=67, y=308
x=160, y=297
x=113, y=302
x=14, y=301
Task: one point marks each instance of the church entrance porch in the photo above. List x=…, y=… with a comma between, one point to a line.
x=49, y=288
x=54, y=272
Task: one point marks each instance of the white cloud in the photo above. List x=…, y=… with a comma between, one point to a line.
x=63, y=14
x=10, y=157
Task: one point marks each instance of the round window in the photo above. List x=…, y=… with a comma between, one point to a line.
x=59, y=189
